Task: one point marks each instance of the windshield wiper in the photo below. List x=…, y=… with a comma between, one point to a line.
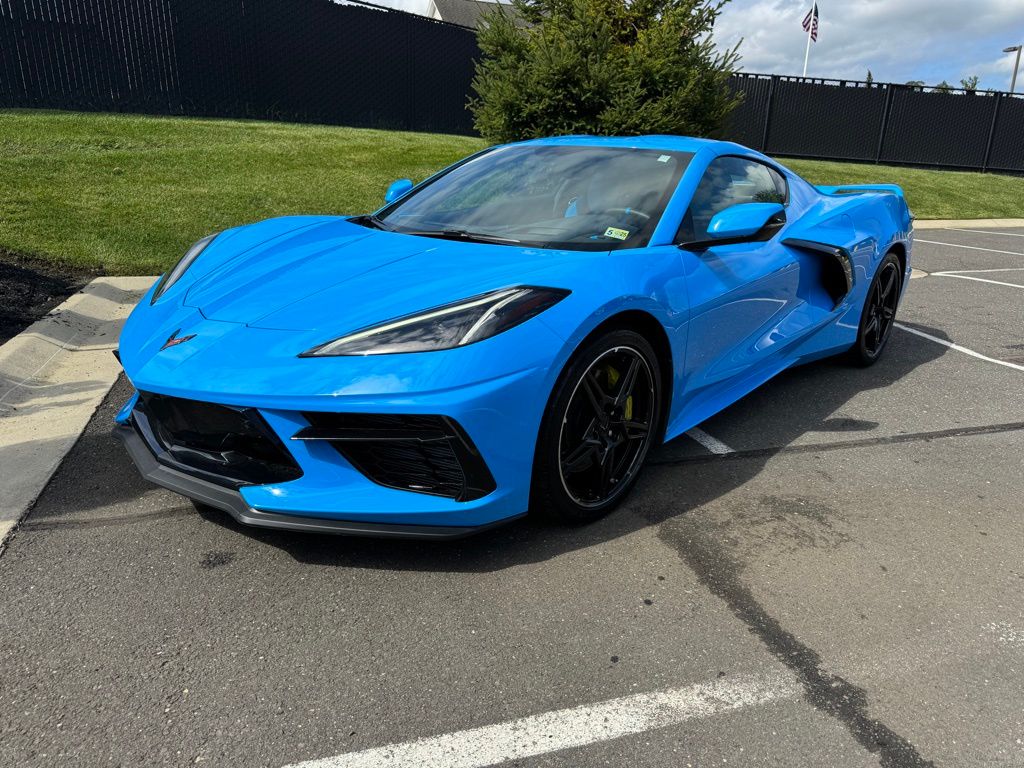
x=460, y=234
x=368, y=219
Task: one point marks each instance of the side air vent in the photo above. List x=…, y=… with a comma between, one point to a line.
x=836, y=266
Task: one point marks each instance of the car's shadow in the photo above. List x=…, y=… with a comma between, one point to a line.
x=801, y=400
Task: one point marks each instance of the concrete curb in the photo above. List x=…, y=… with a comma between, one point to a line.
x=53, y=375
x=967, y=223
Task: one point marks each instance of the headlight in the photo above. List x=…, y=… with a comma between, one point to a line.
x=447, y=327
x=172, y=276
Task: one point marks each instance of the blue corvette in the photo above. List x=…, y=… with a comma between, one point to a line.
x=514, y=333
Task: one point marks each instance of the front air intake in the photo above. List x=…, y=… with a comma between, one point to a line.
x=423, y=454
x=224, y=444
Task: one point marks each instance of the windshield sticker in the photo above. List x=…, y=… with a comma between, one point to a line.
x=618, y=234
x=664, y=159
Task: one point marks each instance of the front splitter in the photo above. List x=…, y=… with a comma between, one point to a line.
x=232, y=502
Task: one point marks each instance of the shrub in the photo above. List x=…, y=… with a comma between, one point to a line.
x=601, y=67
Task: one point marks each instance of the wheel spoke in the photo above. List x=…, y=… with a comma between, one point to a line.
x=636, y=430
x=888, y=285
x=884, y=324
x=588, y=435
x=628, y=382
x=581, y=458
x=622, y=464
x=871, y=327
x=607, y=468
x=596, y=397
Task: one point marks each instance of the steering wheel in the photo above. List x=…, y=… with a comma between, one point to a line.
x=564, y=195
x=630, y=212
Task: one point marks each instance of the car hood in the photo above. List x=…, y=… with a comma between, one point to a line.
x=336, y=276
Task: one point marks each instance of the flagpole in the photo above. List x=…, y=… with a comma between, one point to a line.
x=807, y=52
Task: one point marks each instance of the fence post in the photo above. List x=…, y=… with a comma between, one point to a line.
x=885, y=121
x=768, y=113
x=991, y=132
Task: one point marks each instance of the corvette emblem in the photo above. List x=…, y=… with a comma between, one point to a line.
x=174, y=339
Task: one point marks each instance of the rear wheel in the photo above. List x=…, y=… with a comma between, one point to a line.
x=601, y=420
x=879, y=312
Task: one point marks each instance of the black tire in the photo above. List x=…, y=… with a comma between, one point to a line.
x=567, y=488
x=879, y=312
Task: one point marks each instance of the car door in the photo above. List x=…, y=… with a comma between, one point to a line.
x=742, y=294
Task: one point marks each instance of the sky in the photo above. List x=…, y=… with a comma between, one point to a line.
x=898, y=40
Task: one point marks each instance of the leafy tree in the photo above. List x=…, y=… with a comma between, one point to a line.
x=944, y=87
x=870, y=78
x=970, y=83
x=915, y=83
x=603, y=67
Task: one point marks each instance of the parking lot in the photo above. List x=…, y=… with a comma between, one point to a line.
x=829, y=573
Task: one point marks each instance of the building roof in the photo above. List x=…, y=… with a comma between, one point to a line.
x=466, y=13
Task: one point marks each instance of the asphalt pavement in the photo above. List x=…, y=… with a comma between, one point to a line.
x=841, y=585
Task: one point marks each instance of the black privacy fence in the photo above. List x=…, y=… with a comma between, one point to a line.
x=351, y=63
x=879, y=122
x=302, y=60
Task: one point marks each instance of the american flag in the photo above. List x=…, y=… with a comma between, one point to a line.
x=811, y=22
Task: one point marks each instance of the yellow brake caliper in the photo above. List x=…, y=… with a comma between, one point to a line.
x=613, y=376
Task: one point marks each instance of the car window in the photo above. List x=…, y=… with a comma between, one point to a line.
x=729, y=181
x=575, y=197
x=781, y=187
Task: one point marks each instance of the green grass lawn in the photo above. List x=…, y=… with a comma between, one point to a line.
x=931, y=194
x=128, y=194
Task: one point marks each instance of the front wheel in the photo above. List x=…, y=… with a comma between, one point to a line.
x=879, y=312
x=601, y=419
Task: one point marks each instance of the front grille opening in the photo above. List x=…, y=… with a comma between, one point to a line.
x=423, y=454
x=230, y=446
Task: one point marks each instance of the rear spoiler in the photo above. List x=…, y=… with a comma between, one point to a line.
x=859, y=189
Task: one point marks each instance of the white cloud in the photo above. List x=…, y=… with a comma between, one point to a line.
x=898, y=40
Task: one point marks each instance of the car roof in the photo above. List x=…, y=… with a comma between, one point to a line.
x=665, y=142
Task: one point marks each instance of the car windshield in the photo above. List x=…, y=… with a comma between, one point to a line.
x=572, y=197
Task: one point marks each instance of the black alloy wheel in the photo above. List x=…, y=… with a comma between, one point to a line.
x=600, y=425
x=879, y=312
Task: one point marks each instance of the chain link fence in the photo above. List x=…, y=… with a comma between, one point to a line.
x=352, y=63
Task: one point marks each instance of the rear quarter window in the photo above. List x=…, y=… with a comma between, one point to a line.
x=730, y=181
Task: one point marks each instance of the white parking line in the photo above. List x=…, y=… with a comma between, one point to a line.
x=980, y=271
x=713, y=444
x=567, y=728
x=986, y=232
x=978, y=279
x=968, y=247
x=957, y=347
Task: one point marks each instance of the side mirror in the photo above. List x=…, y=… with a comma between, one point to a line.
x=397, y=189
x=743, y=220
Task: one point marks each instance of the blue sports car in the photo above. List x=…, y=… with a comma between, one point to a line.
x=514, y=333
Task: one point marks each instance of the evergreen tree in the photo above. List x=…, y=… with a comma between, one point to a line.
x=555, y=67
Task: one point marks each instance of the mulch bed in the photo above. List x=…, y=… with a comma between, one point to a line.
x=31, y=286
